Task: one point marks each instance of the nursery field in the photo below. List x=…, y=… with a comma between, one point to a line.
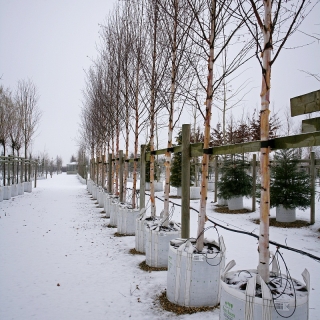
x=59, y=260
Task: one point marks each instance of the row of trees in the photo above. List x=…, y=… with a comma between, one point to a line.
x=160, y=58
x=19, y=117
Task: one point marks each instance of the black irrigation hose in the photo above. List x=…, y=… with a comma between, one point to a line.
x=271, y=242
x=251, y=234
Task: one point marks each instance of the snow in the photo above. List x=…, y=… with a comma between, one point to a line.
x=56, y=235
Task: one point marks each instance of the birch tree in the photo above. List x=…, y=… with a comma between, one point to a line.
x=274, y=23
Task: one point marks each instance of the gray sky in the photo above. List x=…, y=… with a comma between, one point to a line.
x=49, y=41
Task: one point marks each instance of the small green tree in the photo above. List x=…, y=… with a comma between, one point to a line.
x=234, y=181
x=289, y=186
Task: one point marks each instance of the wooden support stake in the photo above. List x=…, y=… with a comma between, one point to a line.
x=254, y=178
x=121, y=175
x=313, y=185
x=110, y=173
x=142, y=176
x=185, y=182
x=216, y=175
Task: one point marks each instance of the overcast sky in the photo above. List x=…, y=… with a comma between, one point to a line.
x=50, y=42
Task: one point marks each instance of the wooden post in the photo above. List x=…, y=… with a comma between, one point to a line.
x=185, y=182
x=121, y=175
x=313, y=186
x=142, y=176
x=110, y=173
x=35, y=173
x=216, y=175
x=254, y=177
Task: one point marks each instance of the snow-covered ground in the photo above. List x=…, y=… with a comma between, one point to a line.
x=58, y=260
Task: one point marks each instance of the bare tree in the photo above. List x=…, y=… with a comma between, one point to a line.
x=275, y=22
x=26, y=98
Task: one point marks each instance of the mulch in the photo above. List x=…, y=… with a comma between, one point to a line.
x=296, y=224
x=179, y=310
x=225, y=209
x=143, y=266
x=134, y=251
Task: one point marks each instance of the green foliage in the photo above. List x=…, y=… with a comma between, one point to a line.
x=289, y=186
x=234, y=181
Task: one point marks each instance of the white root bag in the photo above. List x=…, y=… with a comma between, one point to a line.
x=139, y=231
x=235, y=203
x=114, y=207
x=28, y=186
x=20, y=189
x=14, y=190
x=89, y=186
x=193, y=279
x=101, y=197
x=245, y=305
x=285, y=215
x=1, y=194
x=6, y=193
x=106, y=204
x=157, y=243
x=94, y=191
x=126, y=220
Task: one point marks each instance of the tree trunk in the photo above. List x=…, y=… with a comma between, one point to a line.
x=171, y=113
x=263, y=267
x=205, y=157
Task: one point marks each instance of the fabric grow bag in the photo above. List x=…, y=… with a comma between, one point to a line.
x=256, y=300
x=1, y=194
x=14, y=190
x=6, y=193
x=193, y=279
x=126, y=220
x=222, y=202
x=101, y=197
x=235, y=203
x=157, y=242
x=106, y=204
x=27, y=186
x=20, y=189
x=94, y=191
x=285, y=215
x=114, y=206
x=141, y=221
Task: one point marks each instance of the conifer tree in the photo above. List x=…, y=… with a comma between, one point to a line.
x=235, y=181
x=289, y=186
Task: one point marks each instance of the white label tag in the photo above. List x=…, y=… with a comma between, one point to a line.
x=198, y=257
x=284, y=306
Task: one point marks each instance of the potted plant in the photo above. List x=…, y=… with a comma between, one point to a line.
x=235, y=183
x=290, y=186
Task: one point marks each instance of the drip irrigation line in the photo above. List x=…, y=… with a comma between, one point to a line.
x=271, y=242
x=250, y=234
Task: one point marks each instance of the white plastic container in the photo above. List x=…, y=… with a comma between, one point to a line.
x=20, y=189
x=210, y=185
x=193, y=279
x=195, y=193
x=94, y=191
x=126, y=220
x=235, y=203
x=285, y=215
x=222, y=202
x=6, y=193
x=157, y=242
x=255, y=300
x=1, y=193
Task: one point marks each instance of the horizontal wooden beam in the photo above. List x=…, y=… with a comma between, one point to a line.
x=306, y=103
x=311, y=125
